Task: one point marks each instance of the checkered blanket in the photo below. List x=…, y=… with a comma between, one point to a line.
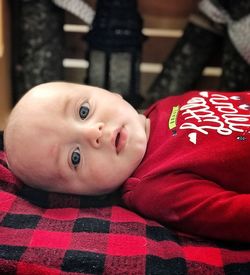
x=42, y=233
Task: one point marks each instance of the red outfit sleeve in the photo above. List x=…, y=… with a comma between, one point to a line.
x=194, y=205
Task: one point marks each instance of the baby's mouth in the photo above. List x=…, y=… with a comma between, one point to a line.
x=117, y=139
x=120, y=139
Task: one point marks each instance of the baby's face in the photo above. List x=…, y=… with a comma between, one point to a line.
x=87, y=138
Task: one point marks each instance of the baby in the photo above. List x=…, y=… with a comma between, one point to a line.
x=184, y=163
x=71, y=138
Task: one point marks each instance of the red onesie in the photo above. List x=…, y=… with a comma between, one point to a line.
x=195, y=175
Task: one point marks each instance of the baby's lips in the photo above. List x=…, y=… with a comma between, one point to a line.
x=119, y=139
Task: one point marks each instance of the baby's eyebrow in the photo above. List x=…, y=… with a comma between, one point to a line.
x=65, y=106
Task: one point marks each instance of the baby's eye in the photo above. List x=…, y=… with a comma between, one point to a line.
x=76, y=157
x=84, y=111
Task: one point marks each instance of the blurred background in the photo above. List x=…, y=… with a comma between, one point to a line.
x=142, y=49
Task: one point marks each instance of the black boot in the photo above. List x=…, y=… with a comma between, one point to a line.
x=236, y=69
x=182, y=69
x=235, y=15
x=37, y=38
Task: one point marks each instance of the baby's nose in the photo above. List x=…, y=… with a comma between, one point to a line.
x=94, y=133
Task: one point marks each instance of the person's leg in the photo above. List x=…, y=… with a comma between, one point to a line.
x=235, y=70
x=235, y=64
x=183, y=67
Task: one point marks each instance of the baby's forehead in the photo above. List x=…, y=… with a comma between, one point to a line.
x=51, y=98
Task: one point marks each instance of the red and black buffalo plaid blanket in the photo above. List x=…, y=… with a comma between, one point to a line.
x=42, y=233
